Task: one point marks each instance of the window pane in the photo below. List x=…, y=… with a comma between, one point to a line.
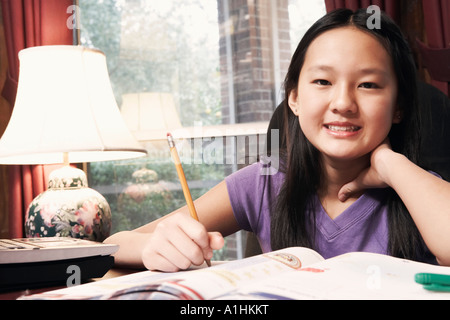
x=186, y=66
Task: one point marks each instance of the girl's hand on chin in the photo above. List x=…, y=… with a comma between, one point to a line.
x=373, y=176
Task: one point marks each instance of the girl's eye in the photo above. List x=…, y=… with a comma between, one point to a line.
x=322, y=82
x=368, y=85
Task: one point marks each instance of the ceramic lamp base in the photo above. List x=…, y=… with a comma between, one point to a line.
x=69, y=208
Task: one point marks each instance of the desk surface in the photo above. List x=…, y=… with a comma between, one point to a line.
x=113, y=273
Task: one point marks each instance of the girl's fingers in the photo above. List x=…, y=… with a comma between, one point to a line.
x=179, y=242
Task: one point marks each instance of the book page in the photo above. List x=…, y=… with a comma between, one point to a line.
x=210, y=283
x=204, y=283
x=100, y=289
x=353, y=276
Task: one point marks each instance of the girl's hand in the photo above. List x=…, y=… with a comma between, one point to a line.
x=178, y=242
x=372, y=177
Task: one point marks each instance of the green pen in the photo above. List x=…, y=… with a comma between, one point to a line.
x=437, y=287
x=434, y=281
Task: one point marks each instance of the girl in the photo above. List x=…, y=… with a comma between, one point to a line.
x=349, y=179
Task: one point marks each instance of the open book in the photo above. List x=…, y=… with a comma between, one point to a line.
x=292, y=273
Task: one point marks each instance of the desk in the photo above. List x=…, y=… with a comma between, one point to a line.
x=112, y=273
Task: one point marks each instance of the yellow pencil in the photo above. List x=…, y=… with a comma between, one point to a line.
x=184, y=185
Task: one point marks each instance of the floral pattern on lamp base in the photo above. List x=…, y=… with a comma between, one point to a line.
x=69, y=209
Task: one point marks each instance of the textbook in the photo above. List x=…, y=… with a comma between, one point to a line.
x=293, y=273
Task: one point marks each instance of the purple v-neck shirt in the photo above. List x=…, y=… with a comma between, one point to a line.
x=361, y=227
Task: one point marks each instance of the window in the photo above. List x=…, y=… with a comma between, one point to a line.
x=210, y=72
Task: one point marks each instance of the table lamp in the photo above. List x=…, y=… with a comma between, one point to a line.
x=65, y=112
x=146, y=112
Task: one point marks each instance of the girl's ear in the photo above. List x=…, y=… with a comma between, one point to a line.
x=293, y=102
x=398, y=116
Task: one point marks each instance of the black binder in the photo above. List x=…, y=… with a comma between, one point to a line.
x=41, y=262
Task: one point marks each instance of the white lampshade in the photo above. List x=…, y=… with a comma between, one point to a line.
x=65, y=104
x=150, y=111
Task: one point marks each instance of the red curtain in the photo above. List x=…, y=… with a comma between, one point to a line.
x=29, y=23
x=391, y=7
x=436, y=54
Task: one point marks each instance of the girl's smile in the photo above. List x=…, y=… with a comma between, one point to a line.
x=342, y=129
x=346, y=94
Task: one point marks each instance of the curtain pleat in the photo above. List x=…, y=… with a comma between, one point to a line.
x=391, y=7
x=29, y=23
x=437, y=28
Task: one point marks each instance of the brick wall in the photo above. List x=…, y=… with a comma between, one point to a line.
x=247, y=32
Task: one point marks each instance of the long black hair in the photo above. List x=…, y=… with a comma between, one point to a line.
x=290, y=225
